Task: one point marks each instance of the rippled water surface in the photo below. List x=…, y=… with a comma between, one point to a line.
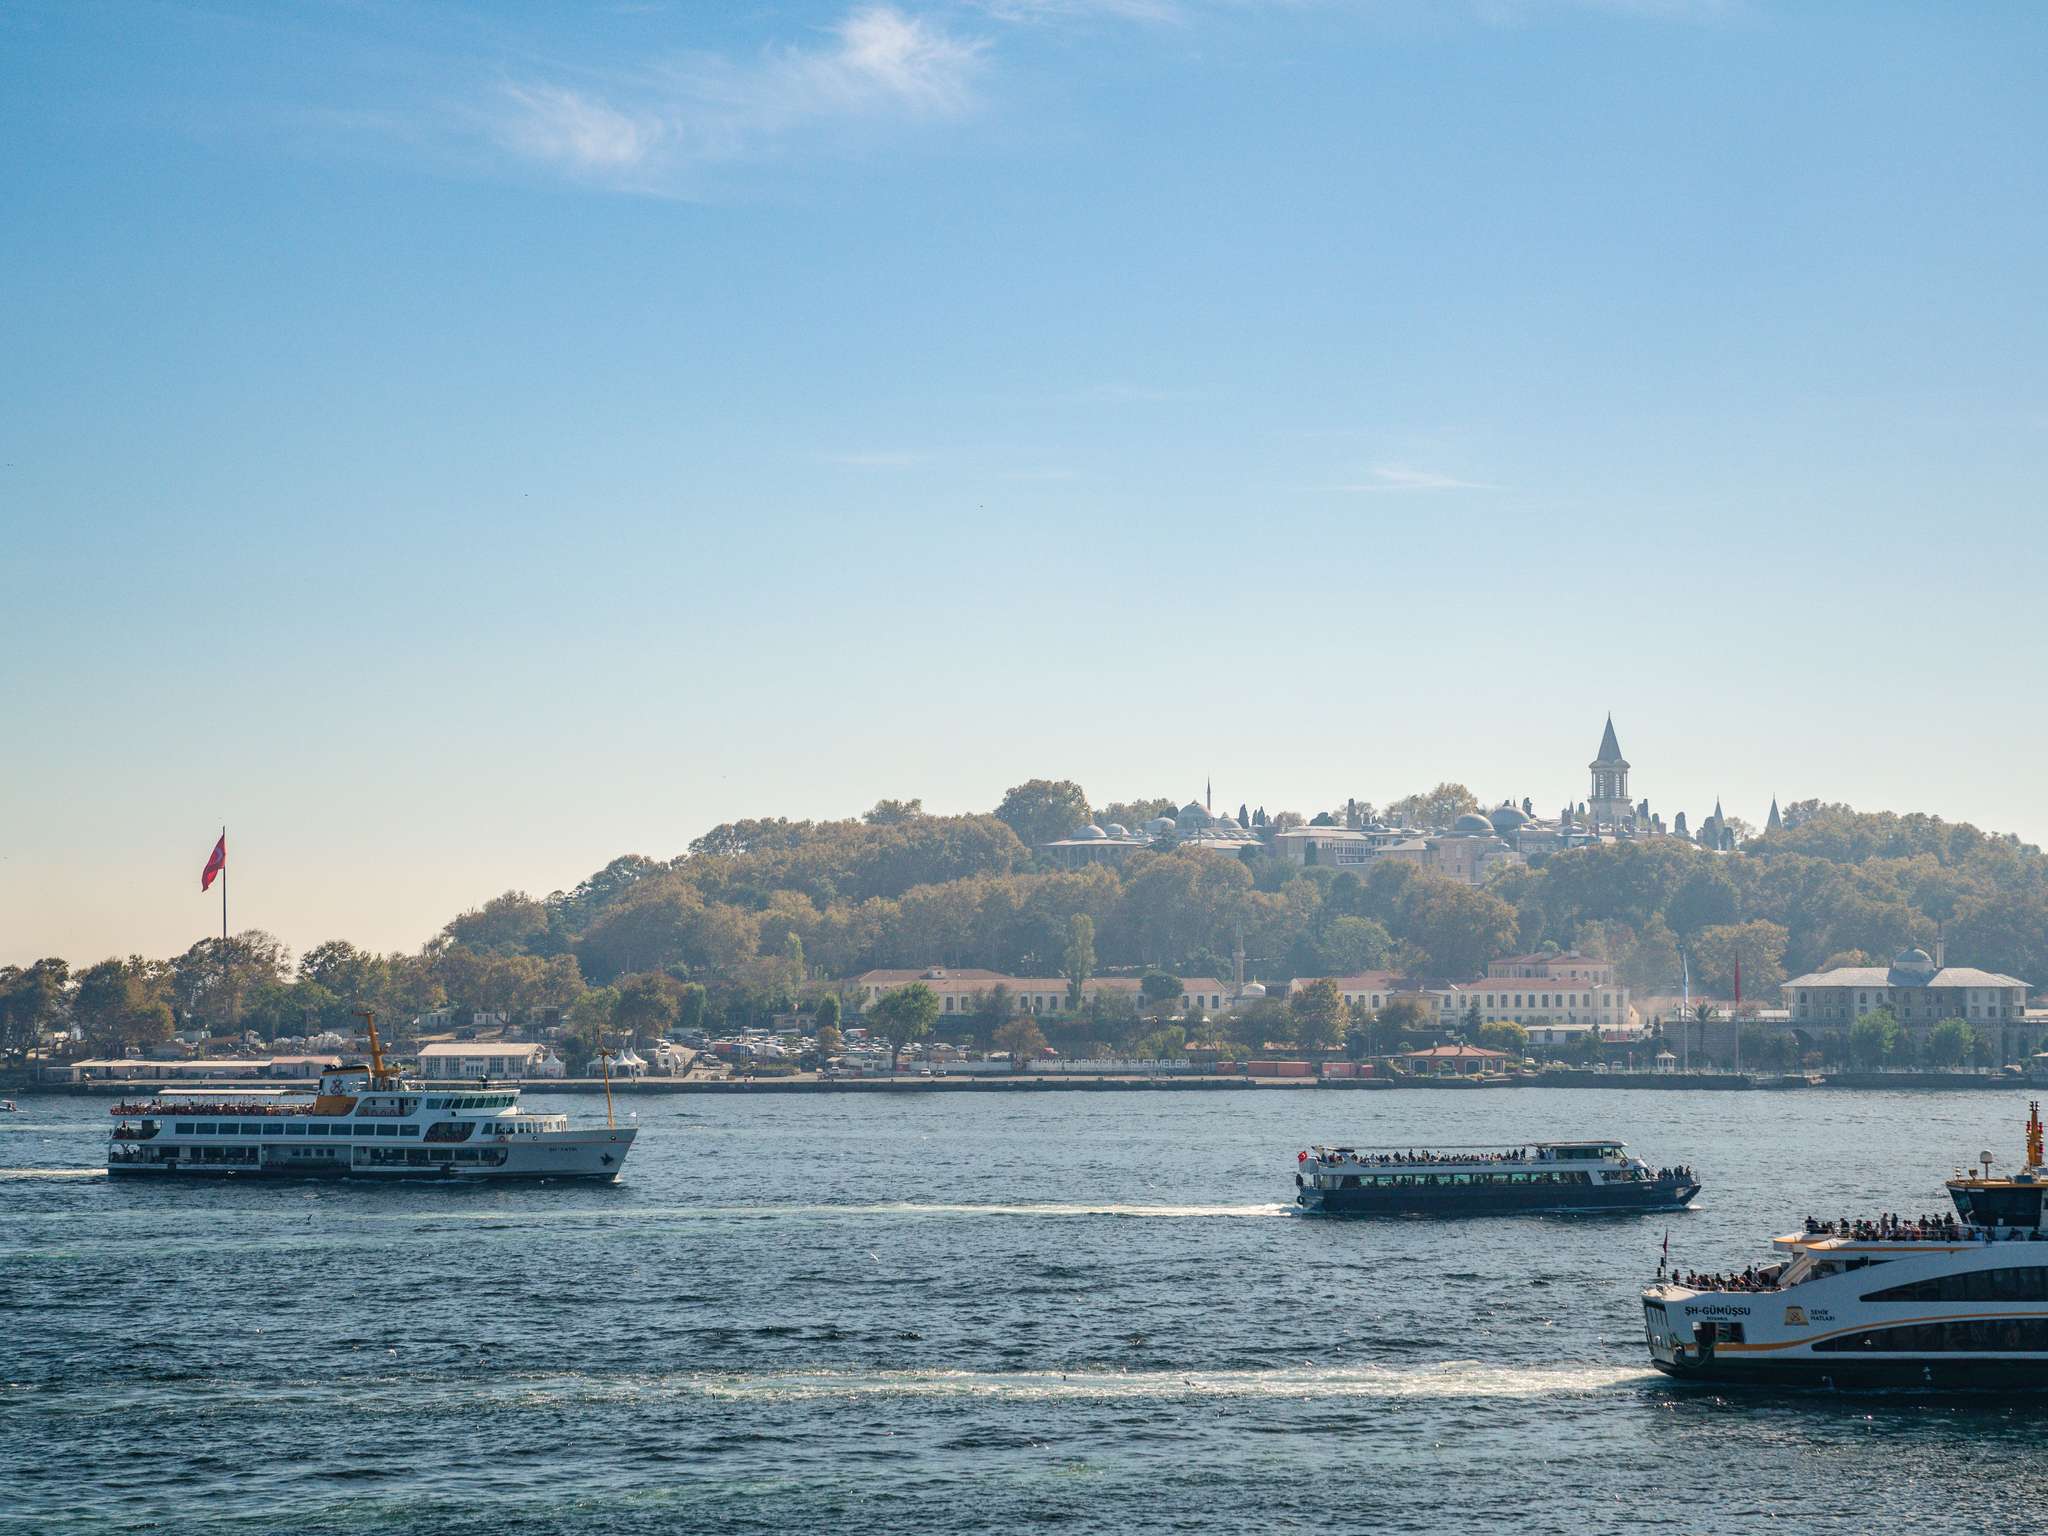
x=961, y=1313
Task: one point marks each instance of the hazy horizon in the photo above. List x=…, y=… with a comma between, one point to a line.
x=455, y=448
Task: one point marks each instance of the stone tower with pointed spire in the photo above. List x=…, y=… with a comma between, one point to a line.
x=1609, y=805
x=1776, y=822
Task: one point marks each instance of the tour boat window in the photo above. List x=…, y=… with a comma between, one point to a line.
x=251, y=1130
x=2028, y=1283
x=387, y=1130
x=1984, y=1335
x=185, y=1128
x=295, y=1130
x=408, y=1130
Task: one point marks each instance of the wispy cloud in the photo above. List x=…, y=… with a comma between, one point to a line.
x=645, y=132
x=1399, y=477
x=567, y=128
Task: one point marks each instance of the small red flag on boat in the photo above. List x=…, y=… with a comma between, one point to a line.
x=215, y=863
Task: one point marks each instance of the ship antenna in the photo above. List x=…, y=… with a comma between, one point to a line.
x=377, y=1072
x=604, y=1065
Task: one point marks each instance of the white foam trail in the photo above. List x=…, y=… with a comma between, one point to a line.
x=52, y=1173
x=1452, y=1379
x=833, y=1212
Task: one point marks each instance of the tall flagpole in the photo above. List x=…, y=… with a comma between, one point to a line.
x=223, y=884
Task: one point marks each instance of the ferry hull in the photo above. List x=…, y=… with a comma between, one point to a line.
x=1947, y=1373
x=1496, y=1200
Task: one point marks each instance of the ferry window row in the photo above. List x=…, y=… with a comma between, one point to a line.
x=473, y=1101
x=1996, y=1333
x=313, y=1128
x=2015, y=1284
x=1439, y=1180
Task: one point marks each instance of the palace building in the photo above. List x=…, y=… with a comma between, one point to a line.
x=1918, y=988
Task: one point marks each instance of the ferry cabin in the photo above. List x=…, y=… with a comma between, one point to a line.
x=412, y=1130
x=1547, y=1175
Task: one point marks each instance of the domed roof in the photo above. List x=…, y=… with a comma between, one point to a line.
x=1473, y=824
x=1913, y=960
x=1091, y=830
x=1194, y=810
x=1253, y=989
x=1160, y=824
x=1507, y=818
x=1117, y=829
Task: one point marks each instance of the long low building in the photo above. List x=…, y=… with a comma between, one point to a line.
x=1529, y=1001
x=1917, y=988
x=489, y=1058
x=186, y=1069
x=1373, y=990
x=971, y=991
x=1535, y=1002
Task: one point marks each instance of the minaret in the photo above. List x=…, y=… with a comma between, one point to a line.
x=1608, y=804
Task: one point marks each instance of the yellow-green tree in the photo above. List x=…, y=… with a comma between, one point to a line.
x=1318, y=1015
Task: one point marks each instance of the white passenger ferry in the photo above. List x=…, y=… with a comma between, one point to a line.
x=1946, y=1301
x=363, y=1123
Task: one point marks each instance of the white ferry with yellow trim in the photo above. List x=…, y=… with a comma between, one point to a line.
x=363, y=1123
x=1950, y=1301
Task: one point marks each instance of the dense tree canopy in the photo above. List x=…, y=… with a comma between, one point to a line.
x=760, y=915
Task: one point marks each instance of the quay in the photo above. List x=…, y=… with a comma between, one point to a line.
x=1164, y=1082
x=1127, y=1082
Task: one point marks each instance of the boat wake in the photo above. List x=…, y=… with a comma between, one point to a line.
x=51, y=1173
x=1451, y=1379
x=889, y=1209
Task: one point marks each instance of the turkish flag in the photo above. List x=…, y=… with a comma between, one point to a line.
x=215, y=863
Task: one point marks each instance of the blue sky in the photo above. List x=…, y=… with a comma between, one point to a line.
x=457, y=444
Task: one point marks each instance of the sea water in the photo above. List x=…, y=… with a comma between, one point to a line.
x=963, y=1312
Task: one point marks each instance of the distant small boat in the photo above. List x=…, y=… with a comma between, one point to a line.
x=9, y=1107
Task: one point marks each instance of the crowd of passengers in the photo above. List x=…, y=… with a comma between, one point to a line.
x=159, y=1109
x=1748, y=1279
x=1401, y=1159
x=1888, y=1227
